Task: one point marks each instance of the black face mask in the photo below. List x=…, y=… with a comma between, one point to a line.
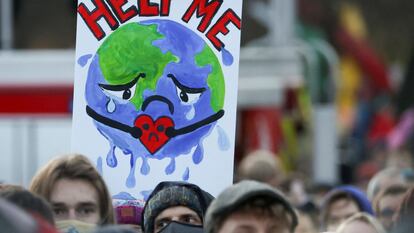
x=177, y=227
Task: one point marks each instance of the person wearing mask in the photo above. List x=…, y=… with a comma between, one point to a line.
x=388, y=177
x=387, y=203
x=250, y=206
x=175, y=207
x=340, y=204
x=404, y=219
x=76, y=192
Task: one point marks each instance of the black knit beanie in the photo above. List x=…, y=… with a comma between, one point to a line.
x=170, y=194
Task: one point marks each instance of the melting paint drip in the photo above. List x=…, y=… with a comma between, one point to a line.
x=223, y=140
x=171, y=167
x=145, y=168
x=227, y=57
x=99, y=165
x=190, y=114
x=186, y=174
x=110, y=106
x=111, y=158
x=130, y=183
x=83, y=60
x=198, y=154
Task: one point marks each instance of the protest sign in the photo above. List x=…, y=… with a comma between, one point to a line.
x=156, y=91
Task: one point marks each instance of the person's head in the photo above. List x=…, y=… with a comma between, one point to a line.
x=250, y=206
x=385, y=178
x=75, y=190
x=16, y=220
x=361, y=222
x=340, y=204
x=174, y=202
x=404, y=218
x=387, y=202
x=29, y=202
x=262, y=166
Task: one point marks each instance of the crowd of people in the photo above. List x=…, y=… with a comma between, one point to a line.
x=68, y=195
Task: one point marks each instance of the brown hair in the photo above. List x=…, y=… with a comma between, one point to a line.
x=73, y=166
x=261, y=207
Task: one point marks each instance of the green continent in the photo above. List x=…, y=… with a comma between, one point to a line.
x=215, y=80
x=129, y=51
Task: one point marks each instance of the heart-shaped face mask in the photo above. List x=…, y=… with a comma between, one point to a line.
x=153, y=135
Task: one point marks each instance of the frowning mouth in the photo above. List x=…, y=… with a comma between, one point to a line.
x=146, y=129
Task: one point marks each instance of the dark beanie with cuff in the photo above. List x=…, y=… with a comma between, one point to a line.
x=171, y=194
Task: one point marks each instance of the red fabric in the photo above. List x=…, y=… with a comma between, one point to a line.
x=367, y=59
x=261, y=129
x=36, y=99
x=382, y=124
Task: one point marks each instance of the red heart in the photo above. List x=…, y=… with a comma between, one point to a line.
x=153, y=135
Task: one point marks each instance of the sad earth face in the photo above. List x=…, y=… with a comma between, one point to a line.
x=155, y=90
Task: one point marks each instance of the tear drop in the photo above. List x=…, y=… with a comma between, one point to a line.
x=99, y=165
x=171, y=167
x=186, y=174
x=223, y=140
x=227, y=57
x=111, y=157
x=145, y=168
x=130, y=183
x=190, y=114
x=198, y=154
x=110, y=106
x=83, y=60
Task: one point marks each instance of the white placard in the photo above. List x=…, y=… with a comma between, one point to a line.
x=156, y=91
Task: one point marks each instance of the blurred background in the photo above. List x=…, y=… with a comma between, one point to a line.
x=324, y=84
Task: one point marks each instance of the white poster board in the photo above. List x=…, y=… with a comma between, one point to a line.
x=156, y=91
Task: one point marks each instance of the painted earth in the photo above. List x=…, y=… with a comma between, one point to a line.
x=155, y=90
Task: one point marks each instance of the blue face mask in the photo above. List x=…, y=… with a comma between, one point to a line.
x=177, y=227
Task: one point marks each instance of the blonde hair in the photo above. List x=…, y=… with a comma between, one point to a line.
x=73, y=166
x=363, y=217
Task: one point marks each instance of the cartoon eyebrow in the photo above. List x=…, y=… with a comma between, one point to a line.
x=185, y=88
x=122, y=87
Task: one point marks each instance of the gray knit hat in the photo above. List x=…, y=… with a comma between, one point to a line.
x=238, y=194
